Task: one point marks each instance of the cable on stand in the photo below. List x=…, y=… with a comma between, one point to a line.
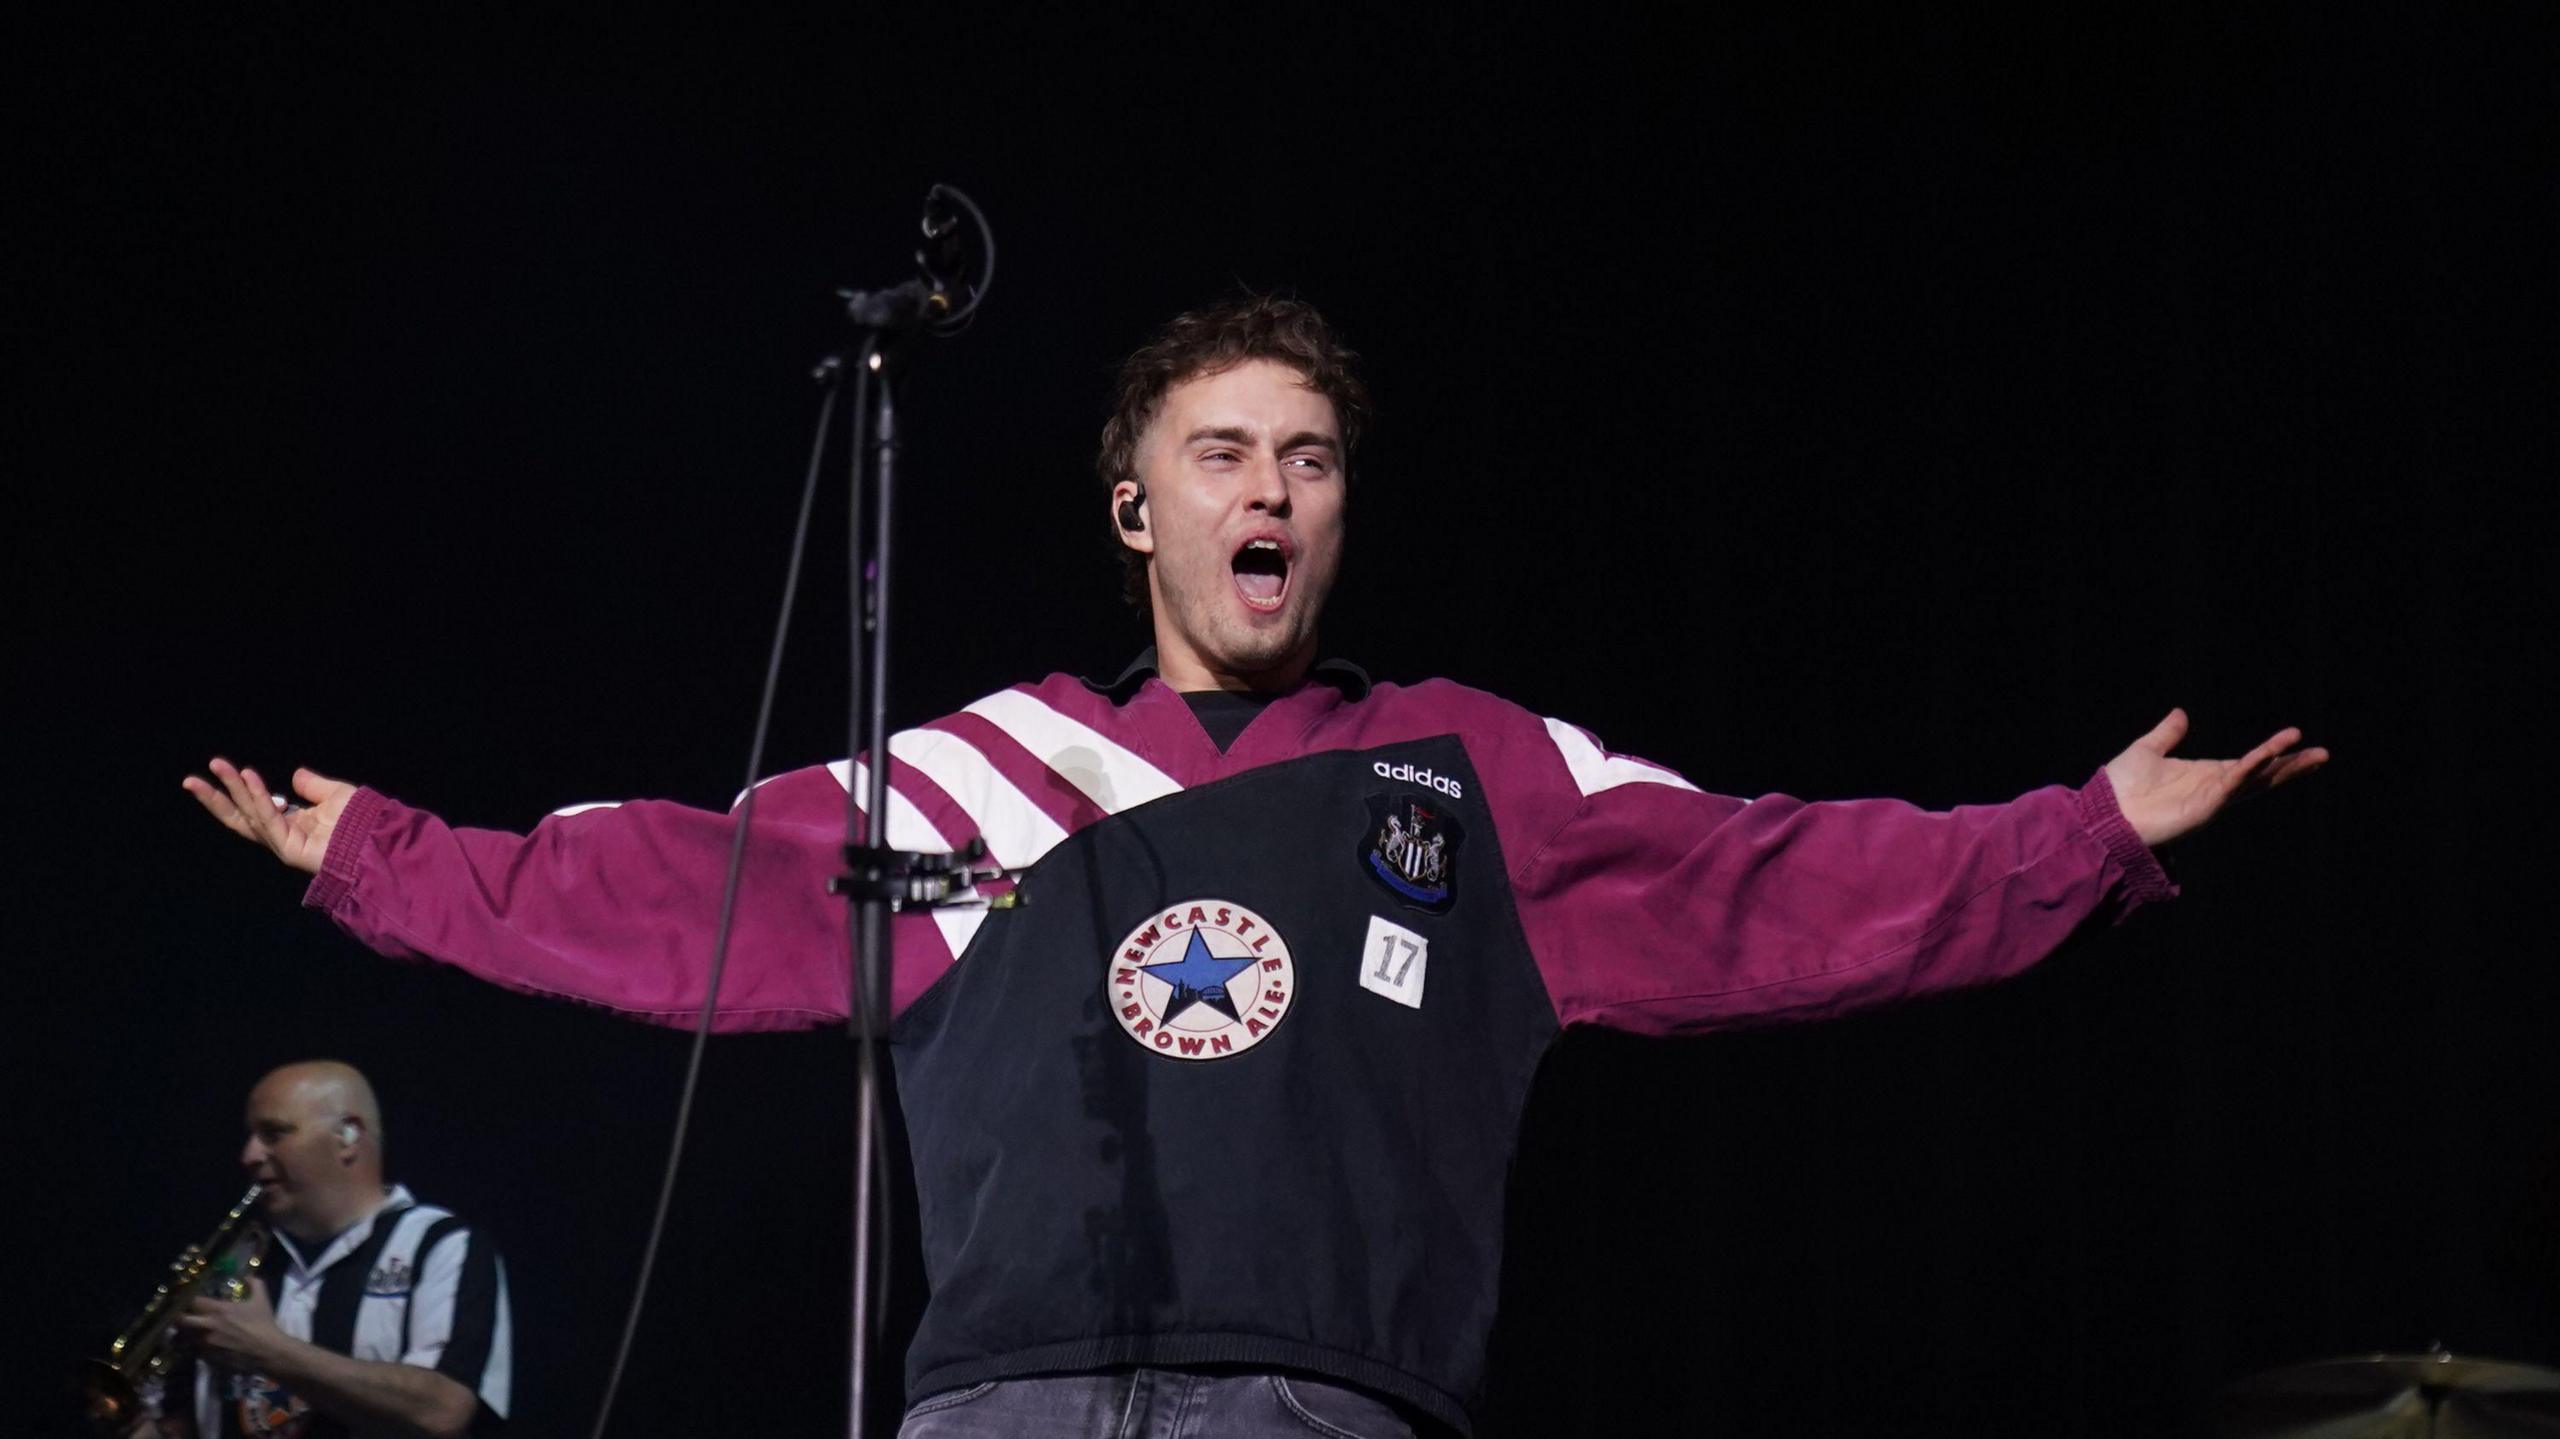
x=955, y=265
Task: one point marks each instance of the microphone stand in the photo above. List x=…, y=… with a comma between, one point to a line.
x=880, y=879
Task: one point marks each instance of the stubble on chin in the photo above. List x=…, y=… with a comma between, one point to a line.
x=1263, y=650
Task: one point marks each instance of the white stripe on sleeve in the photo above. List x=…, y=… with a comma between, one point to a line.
x=1017, y=832
x=908, y=828
x=1595, y=769
x=1108, y=773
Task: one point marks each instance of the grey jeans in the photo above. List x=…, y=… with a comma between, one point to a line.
x=1154, y=1404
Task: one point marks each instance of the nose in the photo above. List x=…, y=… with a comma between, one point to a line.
x=252, y=1153
x=1267, y=491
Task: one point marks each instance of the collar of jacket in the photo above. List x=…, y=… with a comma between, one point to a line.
x=1343, y=675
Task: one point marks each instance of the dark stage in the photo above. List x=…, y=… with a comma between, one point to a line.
x=1835, y=406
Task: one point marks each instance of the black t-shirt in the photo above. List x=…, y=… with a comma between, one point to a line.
x=1225, y=713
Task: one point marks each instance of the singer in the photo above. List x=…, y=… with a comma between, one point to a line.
x=1214, y=1126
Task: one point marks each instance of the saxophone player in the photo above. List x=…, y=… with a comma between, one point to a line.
x=376, y=1314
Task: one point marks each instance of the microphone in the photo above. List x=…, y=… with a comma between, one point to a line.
x=956, y=274
x=952, y=274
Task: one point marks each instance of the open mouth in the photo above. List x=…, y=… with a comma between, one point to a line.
x=1262, y=573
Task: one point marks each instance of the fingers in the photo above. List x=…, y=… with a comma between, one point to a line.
x=218, y=804
x=2165, y=735
x=2295, y=766
x=242, y=802
x=2274, y=762
x=249, y=796
x=2251, y=765
x=231, y=803
x=262, y=801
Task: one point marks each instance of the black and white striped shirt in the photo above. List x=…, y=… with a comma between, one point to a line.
x=411, y=1285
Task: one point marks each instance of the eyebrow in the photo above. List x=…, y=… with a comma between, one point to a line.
x=1238, y=435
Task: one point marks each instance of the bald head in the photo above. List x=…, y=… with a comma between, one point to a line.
x=327, y=1089
x=315, y=1142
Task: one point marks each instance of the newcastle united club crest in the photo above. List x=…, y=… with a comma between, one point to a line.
x=1412, y=851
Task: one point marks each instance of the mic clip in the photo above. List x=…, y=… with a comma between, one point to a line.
x=907, y=879
x=895, y=310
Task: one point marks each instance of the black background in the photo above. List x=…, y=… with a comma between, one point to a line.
x=1836, y=403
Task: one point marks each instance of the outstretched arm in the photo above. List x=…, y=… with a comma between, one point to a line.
x=618, y=905
x=1656, y=907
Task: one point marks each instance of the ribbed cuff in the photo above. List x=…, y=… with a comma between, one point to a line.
x=2144, y=880
x=355, y=827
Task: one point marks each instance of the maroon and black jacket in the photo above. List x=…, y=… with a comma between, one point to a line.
x=1239, y=1080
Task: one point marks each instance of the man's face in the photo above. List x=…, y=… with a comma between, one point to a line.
x=1243, y=518
x=293, y=1148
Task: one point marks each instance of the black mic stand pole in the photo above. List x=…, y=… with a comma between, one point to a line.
x=881, y=879
x=868, y=1014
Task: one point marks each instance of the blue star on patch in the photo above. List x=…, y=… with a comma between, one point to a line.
x=1199, y=977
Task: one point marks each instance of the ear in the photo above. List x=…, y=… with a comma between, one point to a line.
x=1142, y=539
x=349, y=1132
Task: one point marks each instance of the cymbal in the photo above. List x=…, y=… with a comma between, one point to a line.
x=2394, y=1396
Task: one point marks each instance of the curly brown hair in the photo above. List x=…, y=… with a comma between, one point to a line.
x=1210, y=341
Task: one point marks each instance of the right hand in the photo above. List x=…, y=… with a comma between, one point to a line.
x=299, y=836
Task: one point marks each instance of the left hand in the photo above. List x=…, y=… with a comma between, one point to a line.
x=238, y=1334
x=2163, y=798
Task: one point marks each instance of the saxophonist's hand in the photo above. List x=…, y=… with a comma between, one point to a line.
x=298, y=834
x=238, y=1334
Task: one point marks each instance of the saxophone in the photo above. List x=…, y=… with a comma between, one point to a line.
x=221, y=1266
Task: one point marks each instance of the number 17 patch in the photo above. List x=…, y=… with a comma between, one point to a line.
x=1394, y=961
